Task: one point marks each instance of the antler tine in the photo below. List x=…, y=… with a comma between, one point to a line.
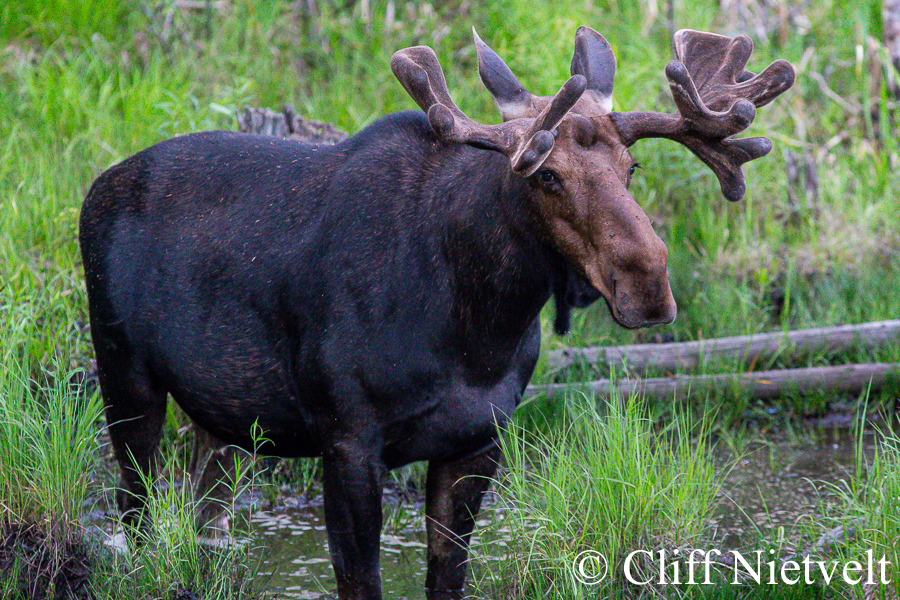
x=716, y=98
x=420, y=73
x=717, y=65
x=539, y=136
x=527, y=142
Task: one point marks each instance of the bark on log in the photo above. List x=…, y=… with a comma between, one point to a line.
x=764, y=385
x=745, y=349
x=287, y=123
x=891, y=22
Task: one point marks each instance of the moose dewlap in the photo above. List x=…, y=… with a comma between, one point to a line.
x=376, y=302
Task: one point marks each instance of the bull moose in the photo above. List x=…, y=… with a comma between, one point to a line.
x=377, y=302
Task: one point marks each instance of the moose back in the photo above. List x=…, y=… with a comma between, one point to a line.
x=377, y=302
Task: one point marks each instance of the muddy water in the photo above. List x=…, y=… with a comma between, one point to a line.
x=772, y=485
x=296, y=551
x=774, y=489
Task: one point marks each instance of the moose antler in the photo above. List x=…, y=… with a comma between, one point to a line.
x=527, y=142
x=716, y=99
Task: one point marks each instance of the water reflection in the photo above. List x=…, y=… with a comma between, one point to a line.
x=774, y=485
x=296, y=552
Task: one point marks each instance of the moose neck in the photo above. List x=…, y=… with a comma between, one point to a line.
x=502, y=274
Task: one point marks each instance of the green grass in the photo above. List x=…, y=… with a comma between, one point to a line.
x=168, y=558
x=85, y=84
x=49, y=446
x=52, y=470
x=614, y=480
x=871, y=510
x=609, y=481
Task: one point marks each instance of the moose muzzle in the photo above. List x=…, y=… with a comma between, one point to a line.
x=643, y=301
x=629, y=267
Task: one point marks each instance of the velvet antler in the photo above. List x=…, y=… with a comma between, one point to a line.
x=527, y=142
x=716, y=99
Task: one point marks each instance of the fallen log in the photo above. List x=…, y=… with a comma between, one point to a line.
x=764, y=385
x=745, y=350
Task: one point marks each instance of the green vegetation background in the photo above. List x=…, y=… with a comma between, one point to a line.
x=85, y=84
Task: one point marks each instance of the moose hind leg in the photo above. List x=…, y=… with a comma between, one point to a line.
x=214, y=477
x=353, y=480
x=135, y=411
x=454, y=492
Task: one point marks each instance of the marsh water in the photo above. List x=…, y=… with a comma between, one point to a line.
x=769, y=489
x=779, y=490
x=295, y=552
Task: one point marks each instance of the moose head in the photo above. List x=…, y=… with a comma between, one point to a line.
x=574, y=151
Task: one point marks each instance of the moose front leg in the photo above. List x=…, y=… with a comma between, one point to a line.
x=453, y=497
x=353, y=480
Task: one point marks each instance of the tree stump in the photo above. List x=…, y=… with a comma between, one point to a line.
x=891, y=20
x=287, y=123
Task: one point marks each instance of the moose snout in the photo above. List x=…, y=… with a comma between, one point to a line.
x=643, y=303
x=641, y=294
x=634, y=313
x=635, y=283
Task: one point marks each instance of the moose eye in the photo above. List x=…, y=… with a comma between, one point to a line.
x=634, y=168
x=547, y=177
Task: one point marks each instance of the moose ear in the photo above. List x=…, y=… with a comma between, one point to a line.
x=595, y=60
x=510, y=96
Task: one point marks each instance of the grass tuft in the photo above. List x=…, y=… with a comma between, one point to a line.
x=610, y=481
